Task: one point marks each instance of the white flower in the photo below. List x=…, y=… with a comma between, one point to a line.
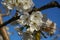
x=48, y=23
x=5, y=3
x=35, y=21
x=51, y=25
x=53, y=30
x=9, y=6
x=33, y=26
x=24, y=19
x=36, y=17
x=27, y=4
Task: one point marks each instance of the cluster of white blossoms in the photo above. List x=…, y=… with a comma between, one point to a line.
x=32, y=22
x=35, y=23
x=19, y=4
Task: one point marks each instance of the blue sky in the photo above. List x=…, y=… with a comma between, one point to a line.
x=52, y=13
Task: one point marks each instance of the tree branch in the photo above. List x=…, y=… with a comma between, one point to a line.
x=9, y=21
x=50, y=5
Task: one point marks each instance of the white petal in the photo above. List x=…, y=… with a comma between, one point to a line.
x=9, y=7
x=48, y=23
x=36, y=17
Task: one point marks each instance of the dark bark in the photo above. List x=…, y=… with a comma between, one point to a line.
x=9, y=21
x=47, y=6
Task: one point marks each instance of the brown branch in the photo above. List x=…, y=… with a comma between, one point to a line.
x=9, y=21
x=14, y=18
x=3, y=31
x=4, y=34
x=49, y=5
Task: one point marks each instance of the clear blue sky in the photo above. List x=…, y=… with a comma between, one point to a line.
x=52, y=13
